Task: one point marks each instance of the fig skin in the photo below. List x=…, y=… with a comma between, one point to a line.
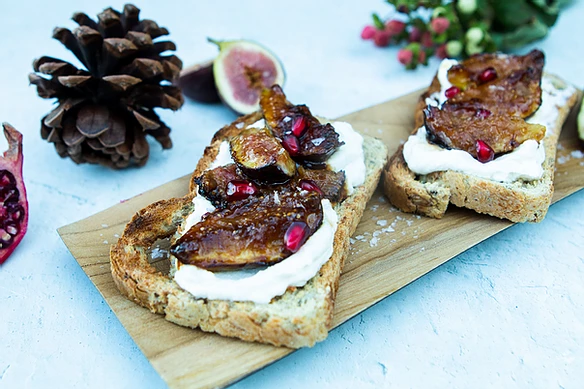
x=261, y=70
x=198, y=83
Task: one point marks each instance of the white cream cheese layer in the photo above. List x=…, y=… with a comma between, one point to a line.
x=349, y=157
x=523, y=163
x=260, y=286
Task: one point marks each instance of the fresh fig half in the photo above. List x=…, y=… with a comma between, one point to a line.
x=13, y=202
x=198, y=83
x=242, y=69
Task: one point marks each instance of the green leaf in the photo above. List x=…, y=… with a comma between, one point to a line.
x=525, y=34
x=512, y=14
x=377, y=22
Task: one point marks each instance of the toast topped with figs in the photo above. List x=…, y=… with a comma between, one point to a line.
x=258, y=244
x=485, y=138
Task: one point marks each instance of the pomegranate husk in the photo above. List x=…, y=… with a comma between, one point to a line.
x=11, y=161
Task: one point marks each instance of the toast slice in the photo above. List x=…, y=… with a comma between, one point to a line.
x=517, y=201
x=298, y=318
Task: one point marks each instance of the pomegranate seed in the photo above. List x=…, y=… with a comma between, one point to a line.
x=239, y=189
x=415, y=35
x=296, y=236
x=441, y=52
x=368, y=32
x=483, y=113
x=310, y=186
x=422, y=56
x=489, y=74
x=484, y=152
x=451, y=92
x=291, y=144
x=299, y=126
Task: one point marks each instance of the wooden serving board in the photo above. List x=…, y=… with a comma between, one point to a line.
x=389, y=250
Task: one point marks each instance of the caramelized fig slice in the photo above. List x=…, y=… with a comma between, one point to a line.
x=213, y=183
x=332, y=184
x=198, y=83
x=242, y=69
x=261, y=157
x=249, y=233
x=504, y=84
x=316, y=142
x=461, y=129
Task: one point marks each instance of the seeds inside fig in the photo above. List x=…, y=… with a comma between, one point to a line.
x=242, y=69
x=198, y=83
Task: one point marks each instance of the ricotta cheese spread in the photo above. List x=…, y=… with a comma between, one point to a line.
x=261, y=285
x=523, y=163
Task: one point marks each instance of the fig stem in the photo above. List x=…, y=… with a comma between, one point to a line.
x=216, y=42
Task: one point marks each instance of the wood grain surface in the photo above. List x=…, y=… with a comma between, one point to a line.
x=389, y=250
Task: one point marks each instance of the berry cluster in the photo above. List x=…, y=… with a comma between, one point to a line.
x=461, y=28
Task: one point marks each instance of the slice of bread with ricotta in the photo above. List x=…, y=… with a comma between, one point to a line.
x=300, y=312
x=424, y=178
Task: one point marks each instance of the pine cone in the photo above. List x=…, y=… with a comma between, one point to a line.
x=105, y=111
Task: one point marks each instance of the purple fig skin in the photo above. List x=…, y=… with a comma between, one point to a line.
x=198, y=83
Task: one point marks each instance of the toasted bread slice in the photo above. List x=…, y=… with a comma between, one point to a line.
x=430, y=194
x=298, y=318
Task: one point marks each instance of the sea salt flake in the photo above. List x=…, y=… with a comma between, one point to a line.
x=382, y=223
x=104, y=226
x=105, y=242
x=577, y=154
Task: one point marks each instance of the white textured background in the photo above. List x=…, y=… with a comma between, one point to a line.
x=507, y=313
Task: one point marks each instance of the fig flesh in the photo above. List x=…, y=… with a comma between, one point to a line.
x=198, y=83
x=261, y=157
x=249, y=233
x=242, y=69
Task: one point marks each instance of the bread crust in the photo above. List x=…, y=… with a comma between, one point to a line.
x=301, y=317
x=430, y=194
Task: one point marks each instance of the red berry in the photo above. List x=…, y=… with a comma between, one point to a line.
x=451, y=92
x=291, y=144
x=405, y=56
x=310, y=186
x=296, y=235
x=439, y=25
x=427, y=39
x=422, y=56
x=415, y=35
x=395, y=27
x=240, y=189
x=484, y=152
x=483, y=113
x=368, y=32
x=489, y=74
x=382, y=38
x=441, y=52
x=299, y=126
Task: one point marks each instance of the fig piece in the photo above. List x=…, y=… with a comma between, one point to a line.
x=242, y=69
x=316, y=142
x=260, y=156
x=212, y=184
x=330, y=183
x=250, y=233
x=198, y=83
x=461, y=126
x=505, y=84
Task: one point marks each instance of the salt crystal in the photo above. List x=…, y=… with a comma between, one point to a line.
x=409, y=222
x=158, y=253
x=239, y=125
x=373, y=241
x=382, y=223
x=104, y=226
x=105, y=242
x=563, y=159
x=577, y=154
x=116, y=235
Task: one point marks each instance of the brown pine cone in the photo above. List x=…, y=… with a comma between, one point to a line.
x=106, y=109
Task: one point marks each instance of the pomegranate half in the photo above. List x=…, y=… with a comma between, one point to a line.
x=13, y=203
